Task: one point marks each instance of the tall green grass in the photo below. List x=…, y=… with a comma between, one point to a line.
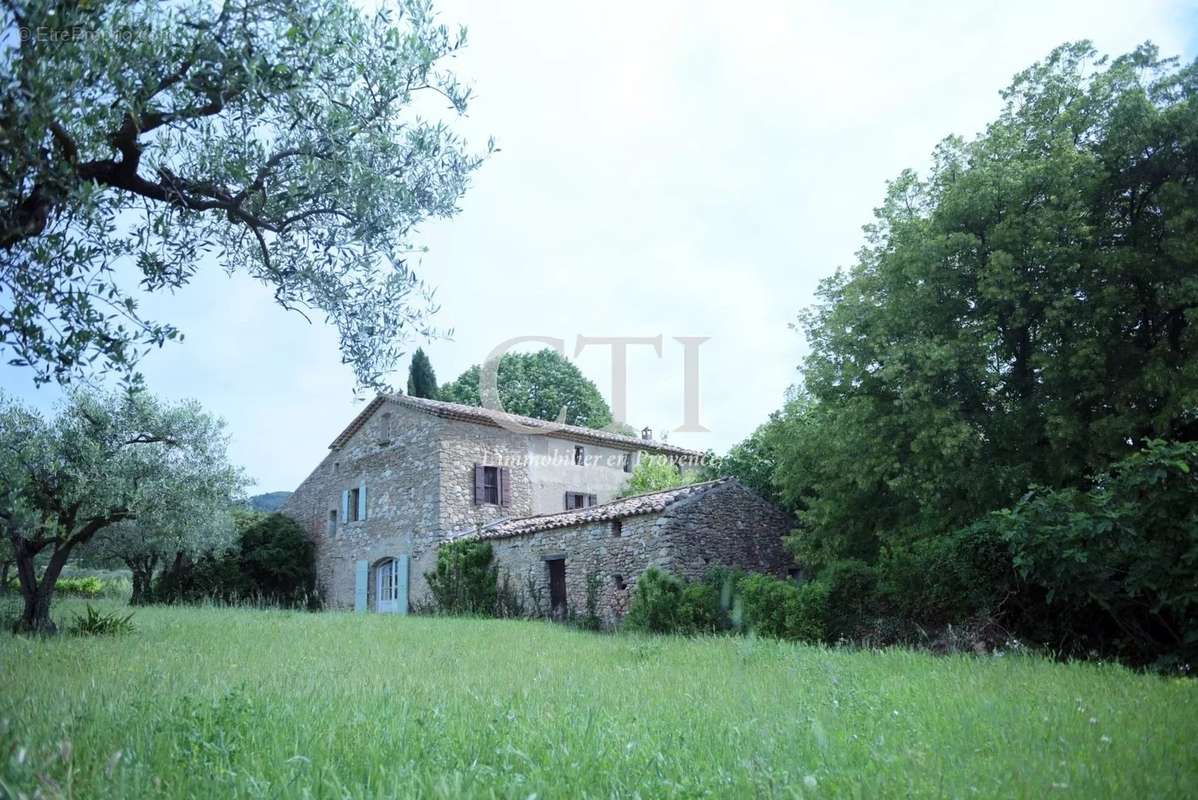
x=218, y=702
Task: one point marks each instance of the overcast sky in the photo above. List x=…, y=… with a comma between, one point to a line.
x=674, y=169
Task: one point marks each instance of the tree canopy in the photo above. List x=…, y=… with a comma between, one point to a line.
x=1023, y=315
x=537, y=385
x=654, y=473
x=278, y=138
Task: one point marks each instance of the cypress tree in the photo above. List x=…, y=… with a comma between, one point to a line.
x=422, y=381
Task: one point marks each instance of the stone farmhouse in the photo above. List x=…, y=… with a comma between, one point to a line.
x=408, y=474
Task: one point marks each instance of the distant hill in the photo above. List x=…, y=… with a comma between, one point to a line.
x=271, y=501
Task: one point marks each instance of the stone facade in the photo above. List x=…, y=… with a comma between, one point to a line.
x=392, y=458
x=722, y=524
x=410, y=465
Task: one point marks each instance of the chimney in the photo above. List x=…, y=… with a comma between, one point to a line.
x=647, y=433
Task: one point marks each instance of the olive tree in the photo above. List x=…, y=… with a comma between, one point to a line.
x=185, y=521
x=140, y=140
x=104, y=460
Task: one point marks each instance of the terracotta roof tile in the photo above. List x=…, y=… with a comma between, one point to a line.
x=636, y=505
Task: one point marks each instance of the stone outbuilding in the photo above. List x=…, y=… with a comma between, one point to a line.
x=551, y=559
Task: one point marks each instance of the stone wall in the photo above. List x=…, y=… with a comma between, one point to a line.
x=589, y=550
x=391, y=457
x=728, y=526
x=461, y=445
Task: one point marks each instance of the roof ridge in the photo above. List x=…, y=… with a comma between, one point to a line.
x=485, y=415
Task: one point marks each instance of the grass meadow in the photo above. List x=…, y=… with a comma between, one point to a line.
x=218, y=702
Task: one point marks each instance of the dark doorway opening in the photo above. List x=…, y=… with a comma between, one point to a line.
x=557, y=586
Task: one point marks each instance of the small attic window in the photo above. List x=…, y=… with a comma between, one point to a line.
x=580, y=455
x=619, y=581
x=628, y=462
x=385, y=429
x=617, y=527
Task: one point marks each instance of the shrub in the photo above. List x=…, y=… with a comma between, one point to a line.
x=277, y=562
x=947, y=579
x=661, y=603
x=700, y=610
x=79, y=587
x=655, y=602
x=852, y=593
x=97, y=623
x=1115, y=568
x=465, y=580
x=781, y=609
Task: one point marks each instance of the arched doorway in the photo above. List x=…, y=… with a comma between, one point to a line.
x=391, y=586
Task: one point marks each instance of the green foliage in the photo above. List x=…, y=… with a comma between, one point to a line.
x=781, y=609
x=280, y=138
x=1119, y=560
x=946, y=579
x=536, y=385
x=121, y=469
x=99, y=623
x=654, y=473
x=655, y=601
x=699, y=609
x=422, y=380
x=278, y=562
x=80, y=587
x=273, y=563
x=755, y=461
x=465, y=580
x=1023, y=315
x=852, y=597
x=748, y=602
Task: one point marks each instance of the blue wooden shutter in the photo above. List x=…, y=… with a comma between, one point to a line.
x=402, y=580
x=361, y=576
x=345, y=505
x=362, y=501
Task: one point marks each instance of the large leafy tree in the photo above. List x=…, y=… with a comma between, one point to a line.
x=278, y=138
x=537, y=385
x=103, y=461
x=1025, y=314
x=422, y=380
